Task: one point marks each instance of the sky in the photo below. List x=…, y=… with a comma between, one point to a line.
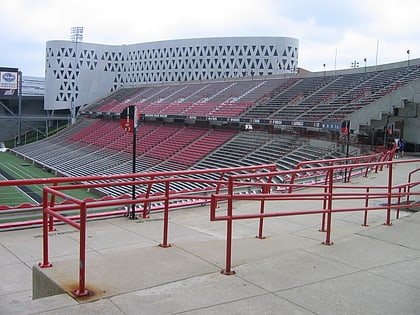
x=336, y=33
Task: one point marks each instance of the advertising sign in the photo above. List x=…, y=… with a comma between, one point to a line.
x=345, y=127
x=9, y=81
x=129, y=118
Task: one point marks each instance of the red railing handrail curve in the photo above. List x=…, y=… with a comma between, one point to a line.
x=231, y=180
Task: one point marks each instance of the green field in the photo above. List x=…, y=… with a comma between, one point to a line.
x=21, y=169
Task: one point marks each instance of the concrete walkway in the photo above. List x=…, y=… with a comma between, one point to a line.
x=368, y=270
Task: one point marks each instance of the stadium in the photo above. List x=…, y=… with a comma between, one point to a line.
x=179, y=124
x=265, y=112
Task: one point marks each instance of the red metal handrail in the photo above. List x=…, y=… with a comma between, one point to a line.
x=52, y=210
x=347, y=164
x=100, y=181
x=259, y=177
x=49, y=212
x=330, y=193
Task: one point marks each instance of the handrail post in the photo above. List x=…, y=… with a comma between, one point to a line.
x=389, y=193
x=50, y=218
x=324, y=202
x=166, y=216
x=397, y=215
x=82, y=291
x=366, y=206
x=329, y=206
x=265, y=190
x=407, y=200
x=409, y=184
x=324, y=206
x=146, y=204
x=45, y=263
x=229, y=224
x=222, y=174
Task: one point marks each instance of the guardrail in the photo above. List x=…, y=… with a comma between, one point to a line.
x=309, y=176
x=328, y=193
x=346, y=171
x=51, y=210
x=148, y=180
x=231, y=187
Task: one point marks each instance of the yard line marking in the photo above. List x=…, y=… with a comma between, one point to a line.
x=18, y=188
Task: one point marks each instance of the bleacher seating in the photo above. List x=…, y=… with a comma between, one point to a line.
x=101, y=146
x=322, y=98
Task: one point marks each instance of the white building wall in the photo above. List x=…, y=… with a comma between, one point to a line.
x=82, y=72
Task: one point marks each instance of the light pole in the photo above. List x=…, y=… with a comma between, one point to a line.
x=408, y=57
x=324, y=68
x=365, y=60
x=19, y=105
x=76, y=36
x=345, y=130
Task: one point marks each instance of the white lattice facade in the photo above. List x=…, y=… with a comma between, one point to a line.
x=79, y=73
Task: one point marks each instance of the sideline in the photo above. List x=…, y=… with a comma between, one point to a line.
x=24, y=189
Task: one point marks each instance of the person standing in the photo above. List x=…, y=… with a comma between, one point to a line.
x=401, y=147
x=397, y=147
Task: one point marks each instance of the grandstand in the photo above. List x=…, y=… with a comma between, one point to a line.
x=201, y=124
x=219, y=124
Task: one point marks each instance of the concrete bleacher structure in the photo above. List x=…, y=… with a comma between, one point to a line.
x=321, y=98
x=102, y=148
x=97, y=144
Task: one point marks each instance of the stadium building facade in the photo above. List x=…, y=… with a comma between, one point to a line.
x=78, y=73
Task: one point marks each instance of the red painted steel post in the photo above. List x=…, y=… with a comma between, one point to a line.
x=45, y=263
x=407, y=201
x=166, y=216
x=409, y=182
x=366, y=206
x=51, y=219
x=324, y=206
x=146, y=203
x=397, y=216
x=388, y=211
x=82, y=291
x=229, y=224
x=324, y=203
x=329, y=206
x=262, y=209
x=267, y=190
x=213, y=204
x=222, y=174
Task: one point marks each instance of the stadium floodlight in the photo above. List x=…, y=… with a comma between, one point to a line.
x=76, y=36
x=355, y=64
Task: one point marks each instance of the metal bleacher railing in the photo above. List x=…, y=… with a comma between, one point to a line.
x=230, y=186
